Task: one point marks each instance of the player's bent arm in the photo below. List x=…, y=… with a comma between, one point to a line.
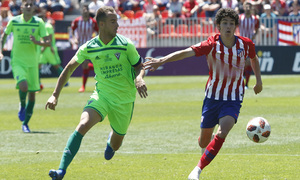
x=64, y=76
x=256, y=69
x=45, y=42
x=139, y=81
x=3, y=40
x=62, y=80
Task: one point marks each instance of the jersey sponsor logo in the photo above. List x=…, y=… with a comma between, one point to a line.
x=97, y=58
x=118, y=55
x=240, y=52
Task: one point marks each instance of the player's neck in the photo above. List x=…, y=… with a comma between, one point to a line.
x=228, y=42
x=27, y=17
x=105, y=39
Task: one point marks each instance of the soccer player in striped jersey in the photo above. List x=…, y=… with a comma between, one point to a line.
x=85, y=27
x=248, y=27
x=26, y=29
x=119, y=74
x=226, y=55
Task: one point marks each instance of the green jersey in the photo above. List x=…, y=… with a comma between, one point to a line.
x=24, y=51
x=113, y=66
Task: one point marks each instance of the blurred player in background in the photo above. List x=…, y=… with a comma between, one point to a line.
x=119, y=73
x=49, y=54
x=26, y=29
x=84, y=26
x=248, y=27
x=226, y=55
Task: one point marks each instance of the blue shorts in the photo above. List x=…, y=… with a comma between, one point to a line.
x=213, y=110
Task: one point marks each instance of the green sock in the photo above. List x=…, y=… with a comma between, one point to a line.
x=22, y=96
x=29, y=111
x=70, y=150
x=59, y=70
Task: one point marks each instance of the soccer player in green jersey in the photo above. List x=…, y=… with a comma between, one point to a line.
x=26, y=29
x=119, y=74
x=49, y=54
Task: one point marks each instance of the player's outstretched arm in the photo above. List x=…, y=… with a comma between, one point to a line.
x=139, y=81
x=152, y=64
x=256, y=69
x=62, y=80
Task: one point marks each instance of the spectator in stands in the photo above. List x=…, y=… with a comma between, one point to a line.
x=153, y=20
x=94, y=6
x=295, y=9
x=211, y=8
x=190, y=9
x=137, y=5
x=85, y=26
x=240, y=7
x=248, y=27
x=258, y=5
x=5, y=3
x=133, y=5
x=112, y=3
x=162, y=4
x=174, y=7
x=232, y=4
x=268, y=22
x=279, y=7
x=15, y=7
x=56, y=6
x=148, y=6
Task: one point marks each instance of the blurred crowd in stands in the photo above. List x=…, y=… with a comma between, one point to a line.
x=154, y=10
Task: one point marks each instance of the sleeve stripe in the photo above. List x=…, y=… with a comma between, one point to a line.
x=139, y=62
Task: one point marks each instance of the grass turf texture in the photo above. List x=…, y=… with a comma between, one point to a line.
x=161, y=142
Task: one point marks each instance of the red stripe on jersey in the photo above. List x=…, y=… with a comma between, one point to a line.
x=226, y=66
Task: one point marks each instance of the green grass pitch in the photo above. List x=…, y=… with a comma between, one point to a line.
x=161, y=143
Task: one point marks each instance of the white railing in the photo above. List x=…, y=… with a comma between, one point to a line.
x=177, y=32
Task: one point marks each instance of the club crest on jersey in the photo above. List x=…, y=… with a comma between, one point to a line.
x=32, y=30
x=118, y=55
x=240, y=52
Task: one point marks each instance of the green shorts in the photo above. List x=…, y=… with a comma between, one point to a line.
x=119, y=115
x=48, y=57
x=29, y=74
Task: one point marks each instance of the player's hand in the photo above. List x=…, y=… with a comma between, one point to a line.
x=141, y=87
x=257, y=88
x=1, y=57
x=32, y=38
x=152, y=64
x=51, y=103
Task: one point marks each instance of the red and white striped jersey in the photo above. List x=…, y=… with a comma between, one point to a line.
x=248, y=26
x=226, y=66
x=84, y=29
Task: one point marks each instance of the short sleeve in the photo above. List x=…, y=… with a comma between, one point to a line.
x=8, y=28
x=252, y=52
x=132, y=54
x=202, y=48
x=81, y=54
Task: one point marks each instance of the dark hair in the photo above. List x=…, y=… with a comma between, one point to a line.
x=86, y=6
x=227, y=12
x=103, y=12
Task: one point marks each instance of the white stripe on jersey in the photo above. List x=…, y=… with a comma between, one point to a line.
x=226, y=81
